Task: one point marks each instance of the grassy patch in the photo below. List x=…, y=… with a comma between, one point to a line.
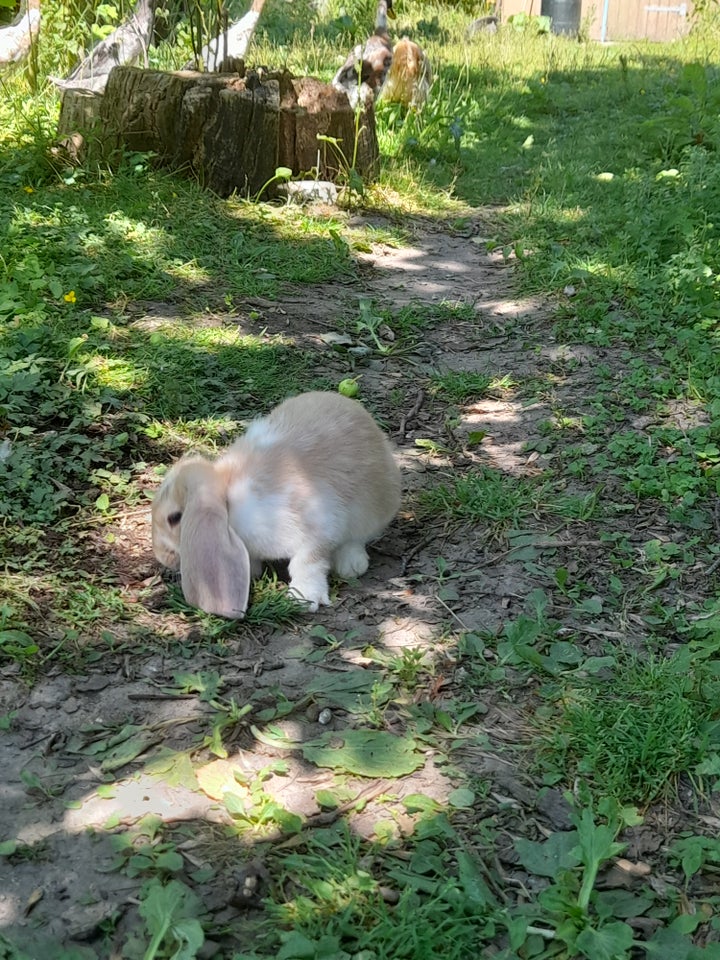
x=461, y=386
x=123, y=301
x=631, y=736
x=337, y=904
x=483, y=495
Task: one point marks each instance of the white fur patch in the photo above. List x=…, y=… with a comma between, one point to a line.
x=350, y=561
x=263, y=434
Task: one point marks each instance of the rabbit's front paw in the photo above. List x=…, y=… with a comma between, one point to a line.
x=309, y=582
x=313, y=596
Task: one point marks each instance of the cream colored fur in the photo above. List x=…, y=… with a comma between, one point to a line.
x=410, y=75
x=313, y=482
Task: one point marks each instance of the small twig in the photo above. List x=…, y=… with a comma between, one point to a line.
x=415, y=550
x=716, y=519
x=453, y=614
x=326, y=817
x=408, y=417
x=542, y=932
x=592, y=631
x=713, y=566
x=162, y=696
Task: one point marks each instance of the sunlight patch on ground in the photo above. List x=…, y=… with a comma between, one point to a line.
x=138, y=797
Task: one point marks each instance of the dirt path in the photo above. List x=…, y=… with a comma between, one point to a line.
x=87, y=757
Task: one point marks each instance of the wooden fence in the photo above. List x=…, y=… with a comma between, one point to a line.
x=621, y=19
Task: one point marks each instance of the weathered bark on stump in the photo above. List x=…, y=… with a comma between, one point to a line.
x=79, y=126
x=313, y=108
x=232, y=132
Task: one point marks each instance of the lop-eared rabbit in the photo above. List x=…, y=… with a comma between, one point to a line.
x=313, y=482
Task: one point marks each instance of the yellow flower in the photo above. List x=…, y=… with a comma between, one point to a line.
x=29, y=189
x=70, y=297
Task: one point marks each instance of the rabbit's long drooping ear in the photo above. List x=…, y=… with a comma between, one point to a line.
x=214, y=562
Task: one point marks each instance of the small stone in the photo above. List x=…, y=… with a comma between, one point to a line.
x=325, y=716
x=95, y=683
x=556, y=808
x=71, y=705
x=309, y=191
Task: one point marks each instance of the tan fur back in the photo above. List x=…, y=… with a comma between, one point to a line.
x=410, y=74
x=326, y=442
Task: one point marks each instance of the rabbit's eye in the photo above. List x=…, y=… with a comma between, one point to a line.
x=174, y=518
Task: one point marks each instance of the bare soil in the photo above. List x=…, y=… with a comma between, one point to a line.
x=65, y=889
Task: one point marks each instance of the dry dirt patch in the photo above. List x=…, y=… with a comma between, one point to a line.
x=92, y=757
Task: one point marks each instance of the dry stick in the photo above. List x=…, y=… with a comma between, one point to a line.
x=406, y=418
x=415, y=550
x=453, y=614
x=162, y=696
x=326, y=817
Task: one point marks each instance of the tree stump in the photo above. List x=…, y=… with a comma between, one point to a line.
x=79, y=127
x=230, y=131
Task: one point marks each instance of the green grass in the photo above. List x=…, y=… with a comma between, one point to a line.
x=630, y=736
x=461, y=386
x=337, y=903
x=482, y=496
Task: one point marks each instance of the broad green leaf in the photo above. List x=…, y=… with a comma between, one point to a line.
x=711, y=951
x=611, y=942
x=474, y=887
x=546, y=859
x=327, y=799
x=296, y=946
x=174, y=768
x=420, y=803
x=367, y=753
x=596, y=841
x=668, y=944
x=348, y=690
x=289, y=822
x=170, y=911
x=170, y=860
x=234, y=804
x=15, y=636
x=191, y=936
x=620, y=904
x=461, y=798
x=128, y=749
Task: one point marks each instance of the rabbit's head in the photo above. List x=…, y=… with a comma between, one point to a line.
x=191, y=532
